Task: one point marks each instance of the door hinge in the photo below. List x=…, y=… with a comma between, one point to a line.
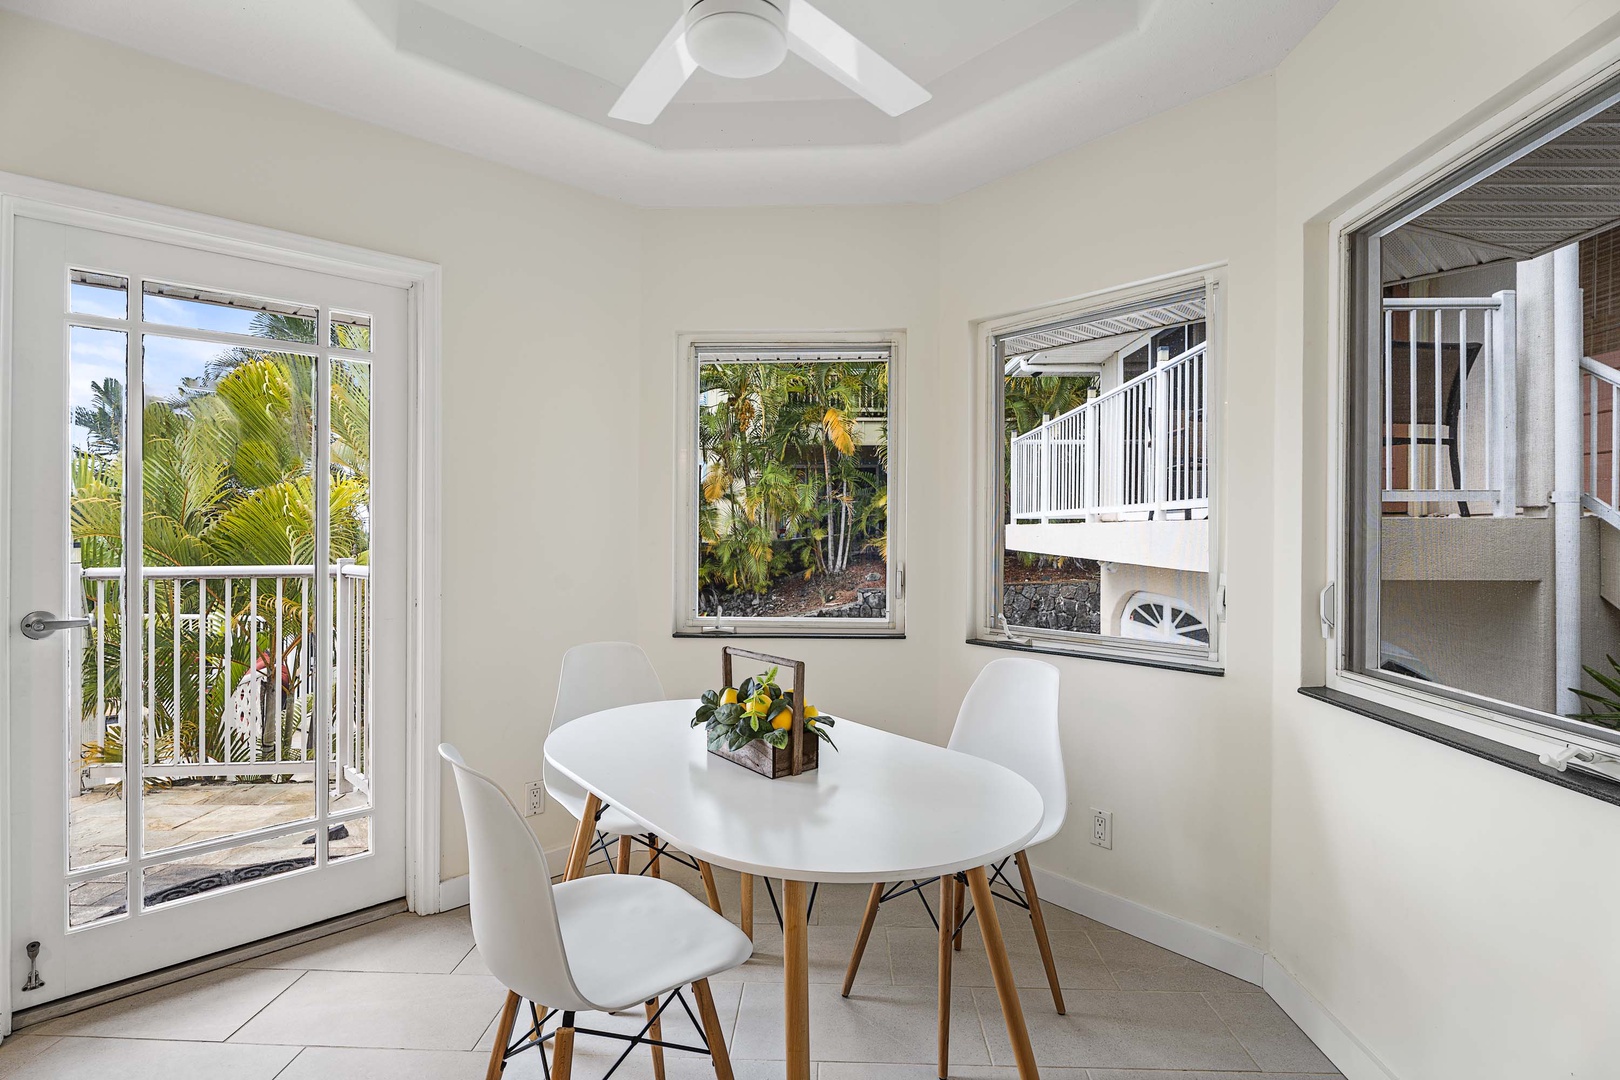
x=1325, y=609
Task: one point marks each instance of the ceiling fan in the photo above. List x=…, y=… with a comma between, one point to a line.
x=741, y=39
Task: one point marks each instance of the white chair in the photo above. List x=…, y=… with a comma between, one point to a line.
x=602, y=943
x=604, y=675
x=1010, y=717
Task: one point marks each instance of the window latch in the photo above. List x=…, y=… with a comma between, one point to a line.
x=1324, y=606
x=1006, y=632
x=1580, y=757
x=719, y=629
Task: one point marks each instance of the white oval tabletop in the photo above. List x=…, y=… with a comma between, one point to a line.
x=881, y=808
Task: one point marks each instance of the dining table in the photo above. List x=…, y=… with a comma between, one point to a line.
x=882, y=808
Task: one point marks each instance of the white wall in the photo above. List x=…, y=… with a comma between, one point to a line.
x=1180, y=759
x=539, y=327
x=1449, y=912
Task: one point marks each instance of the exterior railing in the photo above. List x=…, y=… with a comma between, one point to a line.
x=228, y=681
x=1142, y=448
x=1450, y=403
x=1600, y=395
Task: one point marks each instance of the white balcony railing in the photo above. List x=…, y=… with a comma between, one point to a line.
x=1600, y=396
x=1142, y=448
x=1450, y=403
x=215, y=640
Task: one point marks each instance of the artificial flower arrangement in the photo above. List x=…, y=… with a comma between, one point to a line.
x=752, y=724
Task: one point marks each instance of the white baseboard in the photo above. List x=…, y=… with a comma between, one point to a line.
x=1348, y=1053
x=1208, y=947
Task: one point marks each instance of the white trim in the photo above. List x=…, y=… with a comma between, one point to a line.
x=1573, y=81
x=684, y=495
x=46, y=200
x=1208, y=947
x=1349, y=1054
x=988, y=529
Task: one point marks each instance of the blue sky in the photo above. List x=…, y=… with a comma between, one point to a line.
x=97, y=354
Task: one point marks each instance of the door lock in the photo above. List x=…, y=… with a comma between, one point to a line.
x=42, y=624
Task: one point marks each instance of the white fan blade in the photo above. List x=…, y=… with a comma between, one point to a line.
x=659, y=79
x=849, y=60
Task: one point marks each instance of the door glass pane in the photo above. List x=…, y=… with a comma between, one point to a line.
x=90, y=293
x=352, y=332
x=244, y=864
x=97, y=899
x=206, y=309
x=96, y=378
x=351, y=578
x=349, y=838
x=229, y=548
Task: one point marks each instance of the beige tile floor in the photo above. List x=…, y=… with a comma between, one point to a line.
x=408, y=998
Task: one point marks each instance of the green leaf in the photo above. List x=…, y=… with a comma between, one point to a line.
x=777, y=738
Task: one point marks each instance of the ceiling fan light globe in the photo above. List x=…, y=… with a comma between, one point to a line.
x=727, y=40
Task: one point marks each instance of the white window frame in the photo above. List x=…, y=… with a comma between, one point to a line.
x=687, y=622
x=989, y=533
x=1514, y=125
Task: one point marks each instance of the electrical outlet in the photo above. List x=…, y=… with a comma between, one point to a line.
x=537, y=798
x=1102, y=828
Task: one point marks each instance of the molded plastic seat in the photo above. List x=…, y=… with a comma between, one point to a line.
x=597, y=676
x=632, y=938
x=605, y=943
x=1010, y=717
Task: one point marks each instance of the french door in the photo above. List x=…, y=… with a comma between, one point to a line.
x=208, y=586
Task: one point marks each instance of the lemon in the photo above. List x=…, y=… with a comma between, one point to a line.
x=729, y=697
x=783, y=721
x=811, y=710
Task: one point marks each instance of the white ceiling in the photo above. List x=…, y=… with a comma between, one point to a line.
x=528, y=83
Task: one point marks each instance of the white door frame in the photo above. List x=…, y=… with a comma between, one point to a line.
x=22, y=196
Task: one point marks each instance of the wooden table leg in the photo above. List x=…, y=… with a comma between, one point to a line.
x=709, y=888
x=947, y=886
x=1001, y=969
x=796, y=978
x=747, y=918
x=582, y=838
x=503, y=1036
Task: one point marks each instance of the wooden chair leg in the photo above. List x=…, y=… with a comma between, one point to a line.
x=712, y=1031
x=657, y=1032
x=947, y=886
x=873, y=899
x=709, y=888
x=624, y=855
x=746, y=919
x=503, y=1036
x=956, y=917
x=1041, y=939
x=654, y=869
x=562, y=1049
x=583, y=836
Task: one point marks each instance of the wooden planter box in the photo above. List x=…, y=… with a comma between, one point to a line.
x=800, y=754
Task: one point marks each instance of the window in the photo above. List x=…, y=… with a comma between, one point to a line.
x=1482, y=482
x=789, y=469
x=1102, y=448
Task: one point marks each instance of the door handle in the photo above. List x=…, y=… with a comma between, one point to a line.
x=42, y=624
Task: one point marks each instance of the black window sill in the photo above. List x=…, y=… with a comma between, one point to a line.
x=1513, y=758
x=790, y=635
x=1082, y=653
